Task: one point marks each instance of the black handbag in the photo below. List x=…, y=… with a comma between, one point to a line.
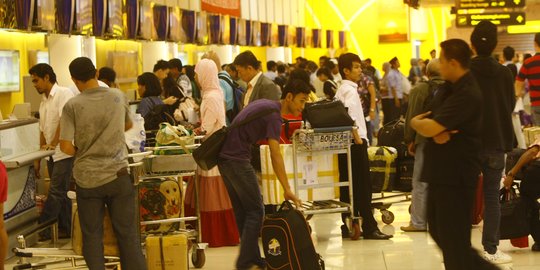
x=325, y=114
x=514, y=215
x=206, y=155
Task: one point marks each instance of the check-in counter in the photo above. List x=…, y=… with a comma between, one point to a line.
x=19, y=147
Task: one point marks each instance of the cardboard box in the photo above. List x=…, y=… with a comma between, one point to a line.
x=171, y=251
x=531, y=134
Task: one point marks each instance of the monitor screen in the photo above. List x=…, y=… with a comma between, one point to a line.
x=9, y=71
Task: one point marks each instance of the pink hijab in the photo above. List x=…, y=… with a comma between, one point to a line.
x=213, y=101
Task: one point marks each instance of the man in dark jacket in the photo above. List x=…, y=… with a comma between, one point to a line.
x=497, y=85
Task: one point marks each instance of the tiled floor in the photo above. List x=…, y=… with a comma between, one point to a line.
x=405, y=251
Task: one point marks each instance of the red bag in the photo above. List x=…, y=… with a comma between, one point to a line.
x=521, y=242
x=478, y=204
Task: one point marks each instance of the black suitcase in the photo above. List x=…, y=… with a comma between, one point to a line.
x=393, y=135
x=405, y=174
x=287, y=243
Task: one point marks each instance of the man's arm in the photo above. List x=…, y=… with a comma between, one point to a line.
x=372, y=101
x=425, y=126
x=525, y=159
x=67, y=147
x=279, y=169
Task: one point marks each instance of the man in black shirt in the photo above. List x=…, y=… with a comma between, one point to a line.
x=452, y=157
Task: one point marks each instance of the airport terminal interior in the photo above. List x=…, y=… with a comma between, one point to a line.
x=185, y=216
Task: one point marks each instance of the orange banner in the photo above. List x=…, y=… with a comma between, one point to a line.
x=226, y=7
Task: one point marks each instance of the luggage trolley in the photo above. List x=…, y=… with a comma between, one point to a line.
x=324, y=141
x=177, y=166
x=61, y=258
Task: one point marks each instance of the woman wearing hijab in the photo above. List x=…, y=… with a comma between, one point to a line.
x=218, y=226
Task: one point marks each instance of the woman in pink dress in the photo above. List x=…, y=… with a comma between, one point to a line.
x=218, y=226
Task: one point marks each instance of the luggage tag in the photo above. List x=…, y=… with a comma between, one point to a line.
x=309, y=172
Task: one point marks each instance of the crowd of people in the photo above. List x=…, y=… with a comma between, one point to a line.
x=461, y=110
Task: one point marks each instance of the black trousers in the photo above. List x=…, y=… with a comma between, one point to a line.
x=361, y=185
x=449, y=219
x=530, y=192
x=390, y=111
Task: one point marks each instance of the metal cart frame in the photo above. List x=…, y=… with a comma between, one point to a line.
x=63, y=256
x=317, y=141
x=177, y=166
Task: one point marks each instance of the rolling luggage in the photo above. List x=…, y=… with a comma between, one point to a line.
x=405, y=174
x=287, y=243
x=167, y=252
x=160, y=199
x=393, y=135
x=382, y=167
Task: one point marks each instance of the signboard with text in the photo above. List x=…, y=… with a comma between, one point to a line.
x=225, y=7
x=500, y=18
x=473, y=4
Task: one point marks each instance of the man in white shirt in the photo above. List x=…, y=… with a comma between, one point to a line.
x=350, y=68
x=58, y=205
x=271, y=70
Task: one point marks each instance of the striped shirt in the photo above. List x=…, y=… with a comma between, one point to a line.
x=531, y=71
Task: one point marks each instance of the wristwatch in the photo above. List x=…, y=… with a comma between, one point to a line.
x=510, y=174
x=371, y=110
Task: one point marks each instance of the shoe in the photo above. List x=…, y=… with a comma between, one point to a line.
x=345, y=233
x=377, y=235
x=411, y=228
x=535, y=246
x=498, y=258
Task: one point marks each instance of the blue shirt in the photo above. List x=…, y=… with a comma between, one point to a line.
x=147, y=104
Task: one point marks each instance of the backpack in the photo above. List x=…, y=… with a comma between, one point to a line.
x=158, y=114
x=238, y=93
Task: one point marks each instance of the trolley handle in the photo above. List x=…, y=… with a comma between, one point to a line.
x=325, y=130
x=141, y=154
x=172, y=147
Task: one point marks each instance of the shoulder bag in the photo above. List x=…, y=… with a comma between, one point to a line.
x=206, y=155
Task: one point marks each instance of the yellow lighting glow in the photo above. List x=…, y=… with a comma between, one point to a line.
x=529, y=27
x=391, y=24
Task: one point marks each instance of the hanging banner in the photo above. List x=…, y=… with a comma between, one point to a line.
x=283, y=31
x=316, y=38
x=300, y=37
x=132, y=14
x=65, y=11
x=329, y=39
x=24, y=11
x=249, y=33
x=266, y=34
x=215, y=29
x=161, y=21
x=188, y=23
x=342, y=39
x=99, y=17
x=233, y=31
x=225, y=7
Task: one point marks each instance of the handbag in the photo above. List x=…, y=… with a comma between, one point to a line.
x=514, y=215
x=206, y=155
x=325, y=114
x=169, y=135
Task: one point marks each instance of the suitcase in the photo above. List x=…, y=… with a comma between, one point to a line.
x=382, y=167
x=110, y=246
x=167, y=252
x=160, y=199
x=287, y=242
x=393, y=135
x=405, y=174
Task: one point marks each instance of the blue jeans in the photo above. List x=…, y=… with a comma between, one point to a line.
x=419, y=191
x=58, y=205
x=119, y=196
x=246, y=198
x=492, y=164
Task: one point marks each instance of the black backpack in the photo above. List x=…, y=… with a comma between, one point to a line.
x=287, y=242
x=158, y=114
x=238, y=93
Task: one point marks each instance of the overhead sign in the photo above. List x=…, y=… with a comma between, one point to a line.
x=500, y=18
x=473, y=4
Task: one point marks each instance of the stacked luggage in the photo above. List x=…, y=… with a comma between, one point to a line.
x=392, y=135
